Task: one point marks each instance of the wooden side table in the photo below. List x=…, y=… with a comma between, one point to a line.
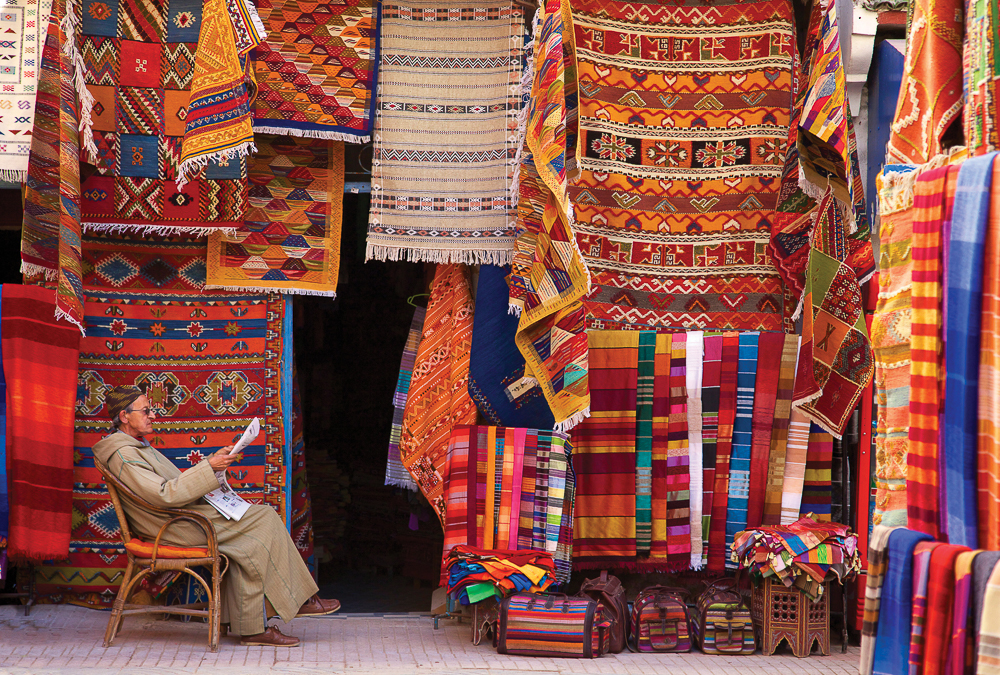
x=782, y=613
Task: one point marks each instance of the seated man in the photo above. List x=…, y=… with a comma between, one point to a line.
x=266, y=574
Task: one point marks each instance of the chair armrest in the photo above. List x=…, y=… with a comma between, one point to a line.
x=180, y=515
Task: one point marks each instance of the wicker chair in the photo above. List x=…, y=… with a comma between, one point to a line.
x=144, y=559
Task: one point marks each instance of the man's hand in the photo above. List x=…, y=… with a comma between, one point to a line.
x=221, y=460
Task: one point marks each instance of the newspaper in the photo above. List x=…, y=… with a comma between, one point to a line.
x=224, y=499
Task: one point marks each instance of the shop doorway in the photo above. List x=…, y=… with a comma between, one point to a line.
x=378, y=548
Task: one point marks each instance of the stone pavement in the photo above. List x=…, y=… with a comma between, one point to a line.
x=69, y=640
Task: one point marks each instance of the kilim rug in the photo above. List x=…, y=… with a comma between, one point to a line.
x=770, y=351
x=504, y=394
x=873, y=596
x=980, y=76
x=739, y=463
x=796, y=454
x=836, y=363
x=817, y=497
x=139, y=64
x=395, y=473
x=988, y=448
x=988, y=648
x=671, y=548
x=605, y=458
x=217, y=125
x=964, y=299
x=25, y=24
x=50, y=233
x=710, y=395
x=718, y=552
x=940, y=602
x=923, y=479
x=695, y=374
x=151, y=264
x=890, y=336
x=548, y=276
x=930, y=96
x=300, y=501
x=446, y=132
x=896, y=607
x=289, y=240
x=962, y=646
x=673, y=209
x=317, y=68
x=533, y=491
x=209, y=364
x=826, y=147
x=645, y=390
x=438, y=398
x=775, y=482
x=921, y=570
x=40, y=367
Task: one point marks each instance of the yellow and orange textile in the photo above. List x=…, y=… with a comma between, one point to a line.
x=439, y=398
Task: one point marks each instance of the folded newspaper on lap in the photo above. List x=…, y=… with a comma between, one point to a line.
x=225, y=500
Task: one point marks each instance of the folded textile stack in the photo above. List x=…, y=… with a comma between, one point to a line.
x=475, y=574
x=803, y=554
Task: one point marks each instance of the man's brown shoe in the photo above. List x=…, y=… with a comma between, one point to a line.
x=272, y=637
x=316, y=606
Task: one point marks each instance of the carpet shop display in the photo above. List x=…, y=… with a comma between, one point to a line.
x=154, y=86
x=672, y=208
x=446, y=132
x=475, y=574
x=510, y=488
x=40, y=369
x=395, y=473
x=317, y=68
x=289, y=240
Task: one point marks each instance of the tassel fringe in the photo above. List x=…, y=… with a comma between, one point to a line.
x=165, y=230
x=79, y=67
x=14, y=175
x=311, y=133
x=498, y=257
x=567, y=424
x=287, y=291
x=63, y=314
x=193, y=166
x=32, y=270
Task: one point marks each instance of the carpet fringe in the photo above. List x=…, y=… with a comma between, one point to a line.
x=311, y=133
x=396, y=482
x=32, y=270
x=287, y=291
x=63, y=314
x=514, y=309
x=498, y=257
x=523, y=93
x=14, y=175
x=69, y=26
x=567, y=424
x=166, y=230
x=190, y=168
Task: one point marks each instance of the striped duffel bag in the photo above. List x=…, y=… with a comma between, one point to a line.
x=723, y=625
x=552, y=624
x=660, y=621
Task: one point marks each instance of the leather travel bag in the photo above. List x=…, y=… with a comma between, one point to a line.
x=723, y=624
x=608, y=591
x=660, y=621
x=552, y=624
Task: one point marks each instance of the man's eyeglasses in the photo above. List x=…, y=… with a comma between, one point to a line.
x=146, y=412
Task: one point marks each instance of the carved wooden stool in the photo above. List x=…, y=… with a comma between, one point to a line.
x=782, y=613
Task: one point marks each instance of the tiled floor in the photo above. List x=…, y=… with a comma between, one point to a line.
x=68, y=640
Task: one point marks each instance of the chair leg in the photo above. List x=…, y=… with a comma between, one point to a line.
x=214, y=610
x=114, y=623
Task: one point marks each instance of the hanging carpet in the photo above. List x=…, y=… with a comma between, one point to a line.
x=289, y=241
x=718, y=552
x=301, y=501
x=921, y=572
x=438, y=397
x=980, y=74
x=395, y=473
x=940, y=602
x=817, y=495
x=4, y=493
x=739, y=462
x=548, y=276
x=140, y=62
x=770, y=352
x=775, y=482
x=50, y=231
x=445, y=135
x=25, y=27
x=988, y=442
x=40, y=368
x=710, y=399
x=877, y=564
x=681, y=151
x=498, y=383
x=317, y=68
